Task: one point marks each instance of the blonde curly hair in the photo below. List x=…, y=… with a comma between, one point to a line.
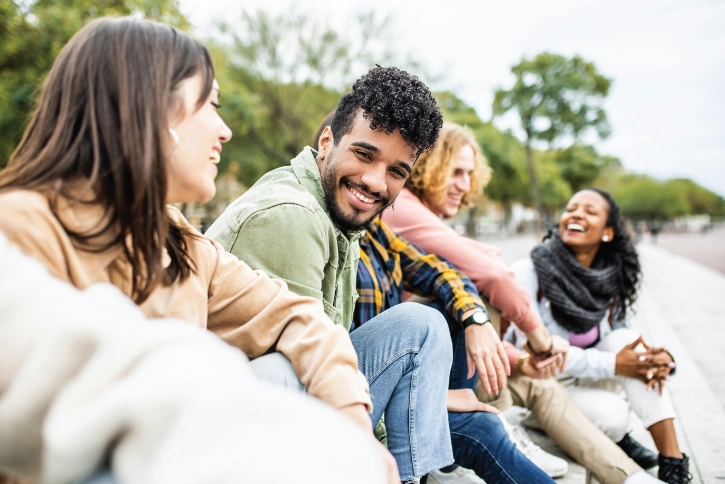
x=429, y=179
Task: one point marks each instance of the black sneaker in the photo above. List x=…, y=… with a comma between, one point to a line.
x=644, y=457
x=673, y=470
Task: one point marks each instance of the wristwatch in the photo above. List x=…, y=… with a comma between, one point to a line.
x=479, y=317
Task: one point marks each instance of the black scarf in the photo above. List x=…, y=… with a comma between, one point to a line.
x=579, y=296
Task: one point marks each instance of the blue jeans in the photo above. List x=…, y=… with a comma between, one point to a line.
x=479, y=439
x=405, y=355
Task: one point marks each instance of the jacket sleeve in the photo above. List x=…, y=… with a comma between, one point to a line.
x=480, y=262
x=430, y=275
x=259, y=314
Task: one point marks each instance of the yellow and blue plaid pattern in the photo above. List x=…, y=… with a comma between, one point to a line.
x=390, y=264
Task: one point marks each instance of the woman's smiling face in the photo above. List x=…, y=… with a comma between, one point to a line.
x=584, y=220
x=191, y=167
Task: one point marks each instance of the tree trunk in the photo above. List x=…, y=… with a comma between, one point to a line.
x=472, y=226
x=535, y=191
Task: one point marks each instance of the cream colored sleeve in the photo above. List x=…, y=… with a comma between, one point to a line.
x=258, y=314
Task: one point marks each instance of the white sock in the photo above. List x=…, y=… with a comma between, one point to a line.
x=641, y=477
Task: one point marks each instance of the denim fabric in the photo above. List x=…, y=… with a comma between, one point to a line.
x=405, y=355
x=481, y=443
x=479, y=440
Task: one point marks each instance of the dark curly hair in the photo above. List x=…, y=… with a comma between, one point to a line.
x=621, y=253
x=391, y=98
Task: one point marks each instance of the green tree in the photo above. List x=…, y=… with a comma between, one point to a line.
x=32, y=33
x=554, y=97
x=580, y=165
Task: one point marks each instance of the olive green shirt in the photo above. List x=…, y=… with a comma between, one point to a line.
x=281, y=226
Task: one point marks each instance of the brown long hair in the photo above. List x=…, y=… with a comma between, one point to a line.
x=102, y=116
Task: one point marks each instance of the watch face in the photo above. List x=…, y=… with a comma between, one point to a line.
x=479, y=318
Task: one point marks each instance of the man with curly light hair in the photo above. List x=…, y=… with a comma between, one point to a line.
x=301, y=223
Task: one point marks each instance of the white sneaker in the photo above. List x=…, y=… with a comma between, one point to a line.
x=552, y=465
x=642, y=477
x=459, y=476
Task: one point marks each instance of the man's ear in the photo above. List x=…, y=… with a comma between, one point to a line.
x=326, y=141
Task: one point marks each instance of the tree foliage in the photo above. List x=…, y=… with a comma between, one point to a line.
x=644, y=197
x=554, y=97
x=581, y=165
x=32, y=33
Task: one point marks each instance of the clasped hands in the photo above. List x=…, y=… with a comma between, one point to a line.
x=651, y=366
x=485, y=353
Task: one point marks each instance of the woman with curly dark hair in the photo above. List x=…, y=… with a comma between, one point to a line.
x=583, y=280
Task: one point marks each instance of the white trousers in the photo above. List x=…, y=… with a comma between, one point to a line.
x=607, y=402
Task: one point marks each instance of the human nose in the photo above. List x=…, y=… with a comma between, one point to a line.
x=463, y=183
x=374, y=178
x=225, y=134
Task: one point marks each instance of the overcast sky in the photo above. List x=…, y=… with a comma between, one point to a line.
x=666, y=57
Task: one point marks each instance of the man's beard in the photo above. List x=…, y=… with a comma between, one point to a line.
x=338, y=217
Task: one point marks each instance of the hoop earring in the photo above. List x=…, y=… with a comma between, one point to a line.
x=605, y=238
x=174, y=135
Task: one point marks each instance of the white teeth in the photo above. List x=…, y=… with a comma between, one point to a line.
x=361, y=197
x=215, y=156
x=577, y=227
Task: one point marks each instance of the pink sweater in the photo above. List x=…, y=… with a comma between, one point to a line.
x=480, y=262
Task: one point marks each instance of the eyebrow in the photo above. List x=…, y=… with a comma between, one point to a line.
x=374, y=149
x=367, y=146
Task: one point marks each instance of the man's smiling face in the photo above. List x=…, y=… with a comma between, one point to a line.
x=363, y=173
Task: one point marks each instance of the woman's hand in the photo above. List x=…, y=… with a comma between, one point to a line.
x=547, y=368
x=485, y=353
x=652, y=364
x=464, y=400
x=541, y=342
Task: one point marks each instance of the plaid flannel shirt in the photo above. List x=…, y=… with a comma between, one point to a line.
x=390, y=264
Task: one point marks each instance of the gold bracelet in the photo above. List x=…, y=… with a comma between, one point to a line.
x=520, y=363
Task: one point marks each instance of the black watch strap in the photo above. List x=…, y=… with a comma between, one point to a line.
x=479, y=317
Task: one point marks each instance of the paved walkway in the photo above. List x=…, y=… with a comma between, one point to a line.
x=682, y=307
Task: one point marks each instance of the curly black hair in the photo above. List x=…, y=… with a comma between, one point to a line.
x=391, y=98
x=621, y=253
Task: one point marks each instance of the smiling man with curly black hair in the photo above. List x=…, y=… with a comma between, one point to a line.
x=301, y=223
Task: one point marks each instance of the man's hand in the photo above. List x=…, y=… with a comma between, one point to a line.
x=544, y=369
x=359, y=414
x=464, y=400
x=485, y=353
x=540, y=340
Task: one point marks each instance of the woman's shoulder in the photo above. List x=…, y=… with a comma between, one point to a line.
x=16, y=200
x=24, y=210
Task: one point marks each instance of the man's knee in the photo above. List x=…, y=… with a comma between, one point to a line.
x=275, y=368
x=425, y=325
